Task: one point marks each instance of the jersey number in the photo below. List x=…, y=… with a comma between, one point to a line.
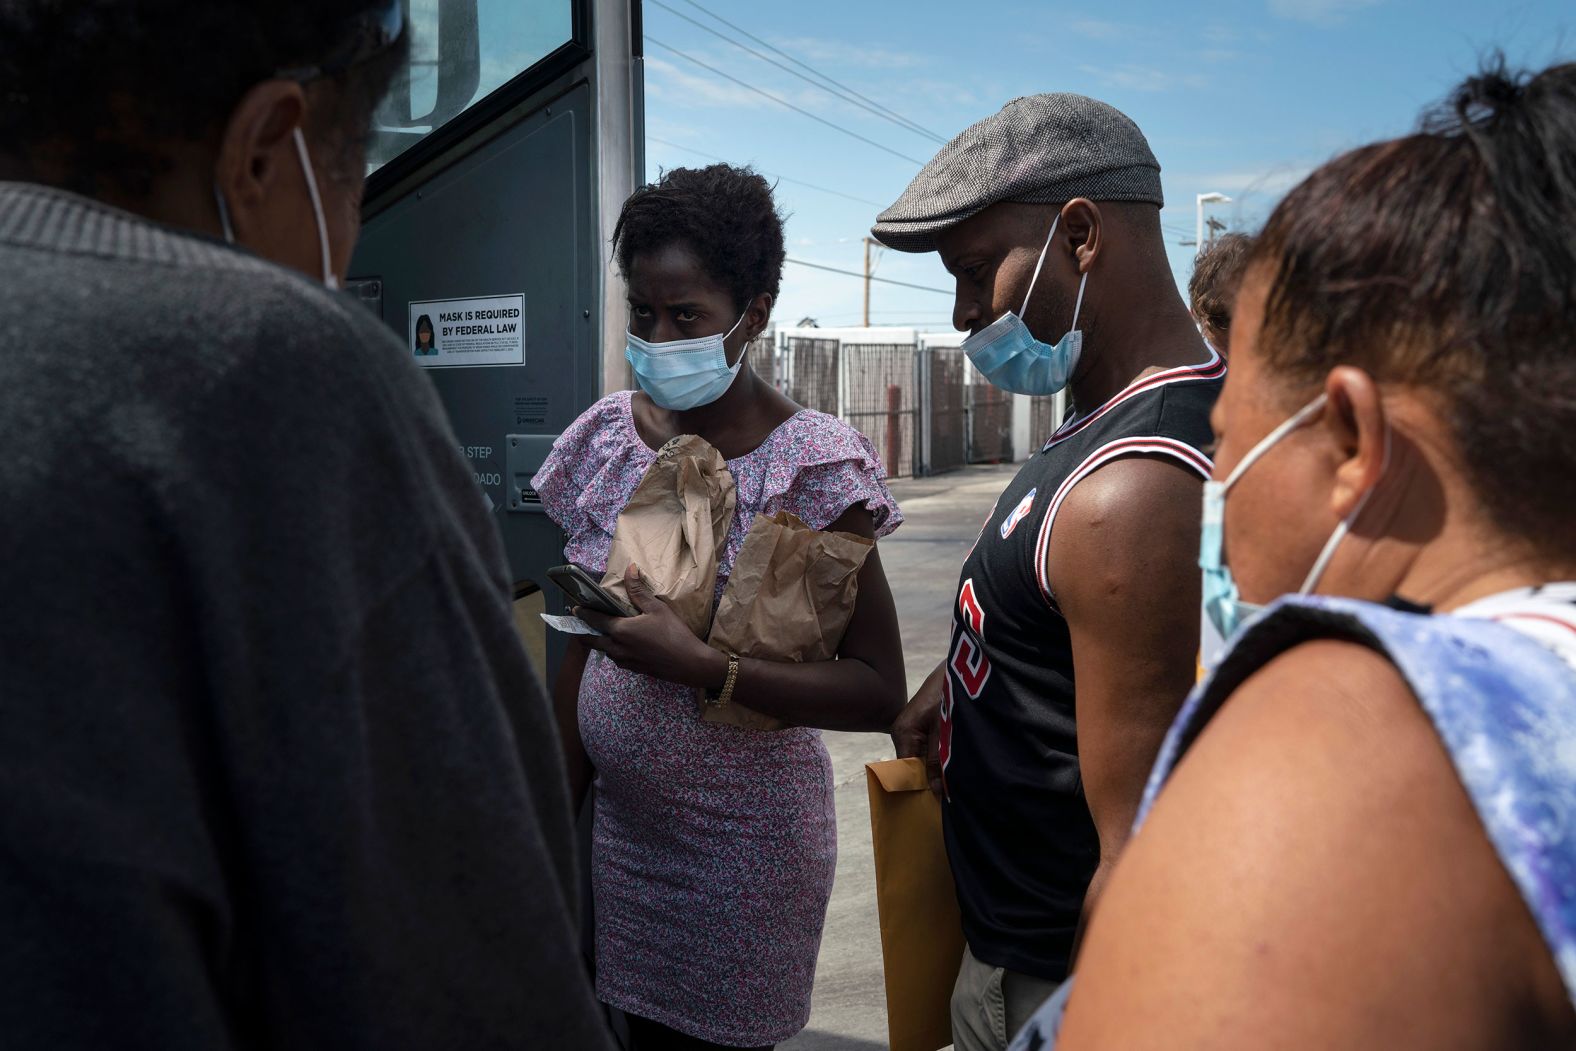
x=969, y=666
x=969, y=662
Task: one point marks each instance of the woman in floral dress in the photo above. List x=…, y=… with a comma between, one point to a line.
x=714, y=845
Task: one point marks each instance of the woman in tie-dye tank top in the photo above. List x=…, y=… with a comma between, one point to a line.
x=1361, y=832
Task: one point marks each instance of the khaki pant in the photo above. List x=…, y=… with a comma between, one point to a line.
x=990, y=1004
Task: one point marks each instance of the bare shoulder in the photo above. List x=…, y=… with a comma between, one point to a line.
x=1130, y=531
x=1314, y=869
x=1131, y=493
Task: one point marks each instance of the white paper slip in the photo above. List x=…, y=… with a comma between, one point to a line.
x=569, y=625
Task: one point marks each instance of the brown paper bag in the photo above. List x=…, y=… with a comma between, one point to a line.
x=789, y=598
x=921, y=929
x=674, y=528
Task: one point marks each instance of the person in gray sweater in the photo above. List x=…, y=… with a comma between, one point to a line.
x=274, y=769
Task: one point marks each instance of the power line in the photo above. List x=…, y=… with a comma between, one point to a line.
x=781, y=101
x=855, y=273
x=740, y=29
x=774, y=175
x=852, y=100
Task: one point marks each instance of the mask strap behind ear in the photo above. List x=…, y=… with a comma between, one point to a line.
x=739, y=322
x=1040, y=265
x=224, y=216
x=1082, y=281
x=1325, y=556
x=317, y=206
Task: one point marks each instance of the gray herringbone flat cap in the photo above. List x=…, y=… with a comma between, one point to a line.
x=1041, y=149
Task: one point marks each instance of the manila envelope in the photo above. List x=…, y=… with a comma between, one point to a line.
x=921, y=929
x=675, y=527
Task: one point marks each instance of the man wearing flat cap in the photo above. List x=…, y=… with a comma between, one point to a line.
x=1077, y=616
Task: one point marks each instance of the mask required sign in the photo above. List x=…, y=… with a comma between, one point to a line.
x=486, y=330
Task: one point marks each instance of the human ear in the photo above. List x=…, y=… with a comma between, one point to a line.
x=756, y=315
x=1358, y=430
x=1082, y=220
x=257, y=154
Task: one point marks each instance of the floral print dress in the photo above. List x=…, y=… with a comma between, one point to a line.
x=713, y=846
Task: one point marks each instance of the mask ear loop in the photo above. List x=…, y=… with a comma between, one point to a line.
x=1328, y=554
x=317, y=207
x=1272, y=439
x=224, y=216
x=1078, y=304
x=1041, y=265
x=737, y=323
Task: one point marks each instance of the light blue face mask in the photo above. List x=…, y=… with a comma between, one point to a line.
x=684, y=374
x=1224, y=610
x=1008, y=355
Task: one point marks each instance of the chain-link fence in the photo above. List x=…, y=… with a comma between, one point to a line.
x=1045, y=415
x=990, y=424
x=880, y=398
x=945, y=445
x=915, y=402
x=809, y=373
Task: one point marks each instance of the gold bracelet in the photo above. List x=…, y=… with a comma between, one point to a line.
x=727, y=687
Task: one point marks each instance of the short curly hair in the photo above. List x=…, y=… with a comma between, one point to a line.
x=1212, y=290
x=725, y=215
x=102, y=84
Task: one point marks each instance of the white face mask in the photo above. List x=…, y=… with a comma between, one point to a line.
x=318, y=217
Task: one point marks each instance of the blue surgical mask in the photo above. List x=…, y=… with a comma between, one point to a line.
x=684, y=374
x=1224, y=610
x=1008, y=355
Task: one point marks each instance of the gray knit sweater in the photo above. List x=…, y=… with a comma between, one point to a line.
x=274, y=771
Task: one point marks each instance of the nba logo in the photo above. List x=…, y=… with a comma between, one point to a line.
x=1019, y=513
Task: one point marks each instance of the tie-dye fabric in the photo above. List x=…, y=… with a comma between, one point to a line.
x=1497, y=680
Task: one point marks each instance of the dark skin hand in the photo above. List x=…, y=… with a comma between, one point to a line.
x=861, y=690
x=916, y=732
x=671, y=297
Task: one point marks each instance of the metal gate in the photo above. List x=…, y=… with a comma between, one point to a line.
x=880, y=398
x=808, y=372
x=762, y=353
x=990, y=424
x=944, y=447
x=1045, y=415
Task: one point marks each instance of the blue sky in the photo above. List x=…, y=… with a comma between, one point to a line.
x=1241, y=97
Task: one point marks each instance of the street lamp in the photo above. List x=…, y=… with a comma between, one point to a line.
x=1203, y=199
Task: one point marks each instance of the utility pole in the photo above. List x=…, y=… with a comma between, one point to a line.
x=1212, y=227
x=1203, y=199
x=867, y=242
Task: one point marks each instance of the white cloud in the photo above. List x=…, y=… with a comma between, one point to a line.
x=1133, y=77
x=1318, y=12
x=666, y=81
x=678, y=84
x=1097, y=29
x=1271, y=182
x=839, y=53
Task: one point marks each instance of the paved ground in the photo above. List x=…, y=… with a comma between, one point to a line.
x=922, y=561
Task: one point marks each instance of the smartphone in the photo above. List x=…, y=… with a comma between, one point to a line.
x=584, y=591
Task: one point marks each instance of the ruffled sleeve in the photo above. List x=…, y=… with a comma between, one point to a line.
x=588, y=477
x=821, y=468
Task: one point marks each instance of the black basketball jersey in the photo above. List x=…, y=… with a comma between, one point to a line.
x=1022, y=844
